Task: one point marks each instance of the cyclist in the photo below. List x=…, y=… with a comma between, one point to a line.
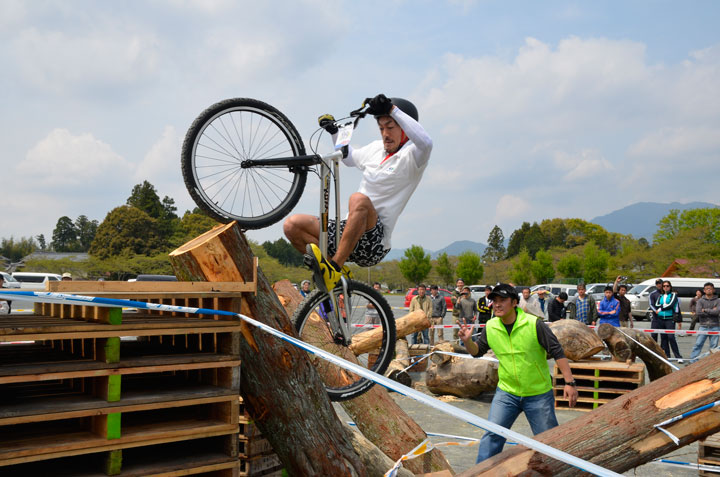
x=391, y=170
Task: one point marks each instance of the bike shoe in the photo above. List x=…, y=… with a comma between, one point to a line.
x=326, y=274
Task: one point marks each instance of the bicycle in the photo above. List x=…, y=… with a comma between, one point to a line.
x=243, y=160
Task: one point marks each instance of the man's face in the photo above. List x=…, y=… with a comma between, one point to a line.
x=581, y=291
x=487, y=292
x=433, y=292
x=460, y=284
x=391, y=134
x=622, y=291
x=608, y=294
x=421, y=291
x=541, y=294
x=306, y=286
x=376, y=286
x=526, y=293
x=658, y=285
x=709, y=290
x=502, y=306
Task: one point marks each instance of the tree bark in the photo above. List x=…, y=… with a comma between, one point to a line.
x=577, y=339
x=620, y=435
x=616, y=343
x=396, y=368
x=462, y=377
x=377, y=463
x=281, y=389
x=655, y=367
x=377, y=415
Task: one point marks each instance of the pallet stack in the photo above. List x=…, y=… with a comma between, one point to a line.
x=86, y=390
x=598, y=382
x=709, y=453
x=257, y=457
x=416, y=352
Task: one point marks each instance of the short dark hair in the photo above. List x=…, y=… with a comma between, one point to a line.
x=563, y=296
x=581, y=285
x=525, y=288
x=422, y=285
x=709, y=283
x=488, y=287
x=623, y=286
x=659, y=280
x=608, y=288
x=376, y=283
x=433, y=287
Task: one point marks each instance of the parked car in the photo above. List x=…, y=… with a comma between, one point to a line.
x=9, y=281
x=35, y=281
x=441, y=291
x=685, y=288
x=556, y=288
x=477, y=291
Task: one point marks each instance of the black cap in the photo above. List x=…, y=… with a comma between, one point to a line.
x=505, y=291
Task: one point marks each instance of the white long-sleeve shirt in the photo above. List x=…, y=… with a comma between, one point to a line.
x=389, y=183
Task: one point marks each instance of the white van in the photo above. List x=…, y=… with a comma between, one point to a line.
x=35, y=281
x=556, y=288
x=684, y=287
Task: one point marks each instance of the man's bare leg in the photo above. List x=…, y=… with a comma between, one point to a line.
x=362, y=217
x=301, y=229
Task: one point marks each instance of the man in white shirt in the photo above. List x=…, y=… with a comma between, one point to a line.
x=391, y=170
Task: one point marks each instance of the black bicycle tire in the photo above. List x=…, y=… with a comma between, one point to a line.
x=188, y=161
x=387, y=322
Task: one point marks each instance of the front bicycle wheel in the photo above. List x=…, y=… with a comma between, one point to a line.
x=369, y=311
x=223, y=136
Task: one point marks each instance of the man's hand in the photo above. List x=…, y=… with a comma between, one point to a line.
x=571, y=394
x=327, y=122
x=466, y=330
x=380, y=105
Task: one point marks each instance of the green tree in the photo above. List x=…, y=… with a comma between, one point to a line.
x=15, y=250
x=495, y=250
x=595, y=263
x=86, y=230
x=542, y=267
x=469, y=267
x=570, y=266
x=527, y=236
x=145, y=197
x=521, y=269
x=126, y=230
x=517, y=240
x=65, y=236
x=675, y=222
x=415, y=265
x=192, y=224
x=445, y=268
x=554, y=231
x=283, y=252
x=41, y=241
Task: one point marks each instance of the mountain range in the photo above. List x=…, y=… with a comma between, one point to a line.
x=639, y=220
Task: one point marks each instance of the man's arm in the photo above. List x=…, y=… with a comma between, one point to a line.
x=413, y=305
x=416, y=133
x=552, y=346
x=570, y=393
x=443, y=306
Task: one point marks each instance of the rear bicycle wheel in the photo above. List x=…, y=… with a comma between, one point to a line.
x=223, y=136
x=313, y=328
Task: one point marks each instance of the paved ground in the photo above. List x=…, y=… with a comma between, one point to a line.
x=462, y=458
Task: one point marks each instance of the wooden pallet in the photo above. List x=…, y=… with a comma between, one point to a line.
x=100, y=392
x=598, y=382
x=709, y=453
x=416, y=352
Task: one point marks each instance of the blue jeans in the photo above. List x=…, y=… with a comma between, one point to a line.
x=700, y=342
x=414, y=338
x=505, y=408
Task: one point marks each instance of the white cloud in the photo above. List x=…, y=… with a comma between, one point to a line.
x=510, y=206
x=58, y=61
x=676, y=142
x=65, y=161
x=587, y=164
x=11, y=13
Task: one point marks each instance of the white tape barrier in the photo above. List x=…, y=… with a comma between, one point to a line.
x=683, y=416
x=458, y=413
x=650, y=351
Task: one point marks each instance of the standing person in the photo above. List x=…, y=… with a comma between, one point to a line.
x=456, y=295
x=467, y=307
x=556, y=310
x=609, y=309
x=693, y=306
x=708, y=312
x=423, y=303
x=668, y=311
x=652, y=299
x=391, y=171
x=537, y=304
x=484, y=306
x=305, y=288
x=521, y=343
x=4, y=306
x=372, y=317
x=66, y=277
x=524, y=297
x=439, y=308
x=619, y=292
x=583, y=307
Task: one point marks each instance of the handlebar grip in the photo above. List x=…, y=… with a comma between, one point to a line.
x=359, y=112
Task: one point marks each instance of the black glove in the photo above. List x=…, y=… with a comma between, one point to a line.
x=327, y=122
x=380, y=105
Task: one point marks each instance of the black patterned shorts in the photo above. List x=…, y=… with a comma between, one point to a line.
x=368, y=251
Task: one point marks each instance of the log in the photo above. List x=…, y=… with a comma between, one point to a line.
x=370, y=340
x=615, y=341
x=280, y=387
x=377, y=415
x=577, y=339
x=438, y=358
x=396, y=368
x=620, y=435
x=377, y=462
x=655, y=367
x=462, y=377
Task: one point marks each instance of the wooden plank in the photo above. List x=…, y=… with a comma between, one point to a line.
x=118, y=331
x=187, y=288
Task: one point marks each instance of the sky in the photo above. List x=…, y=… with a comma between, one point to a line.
x=536, y=109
